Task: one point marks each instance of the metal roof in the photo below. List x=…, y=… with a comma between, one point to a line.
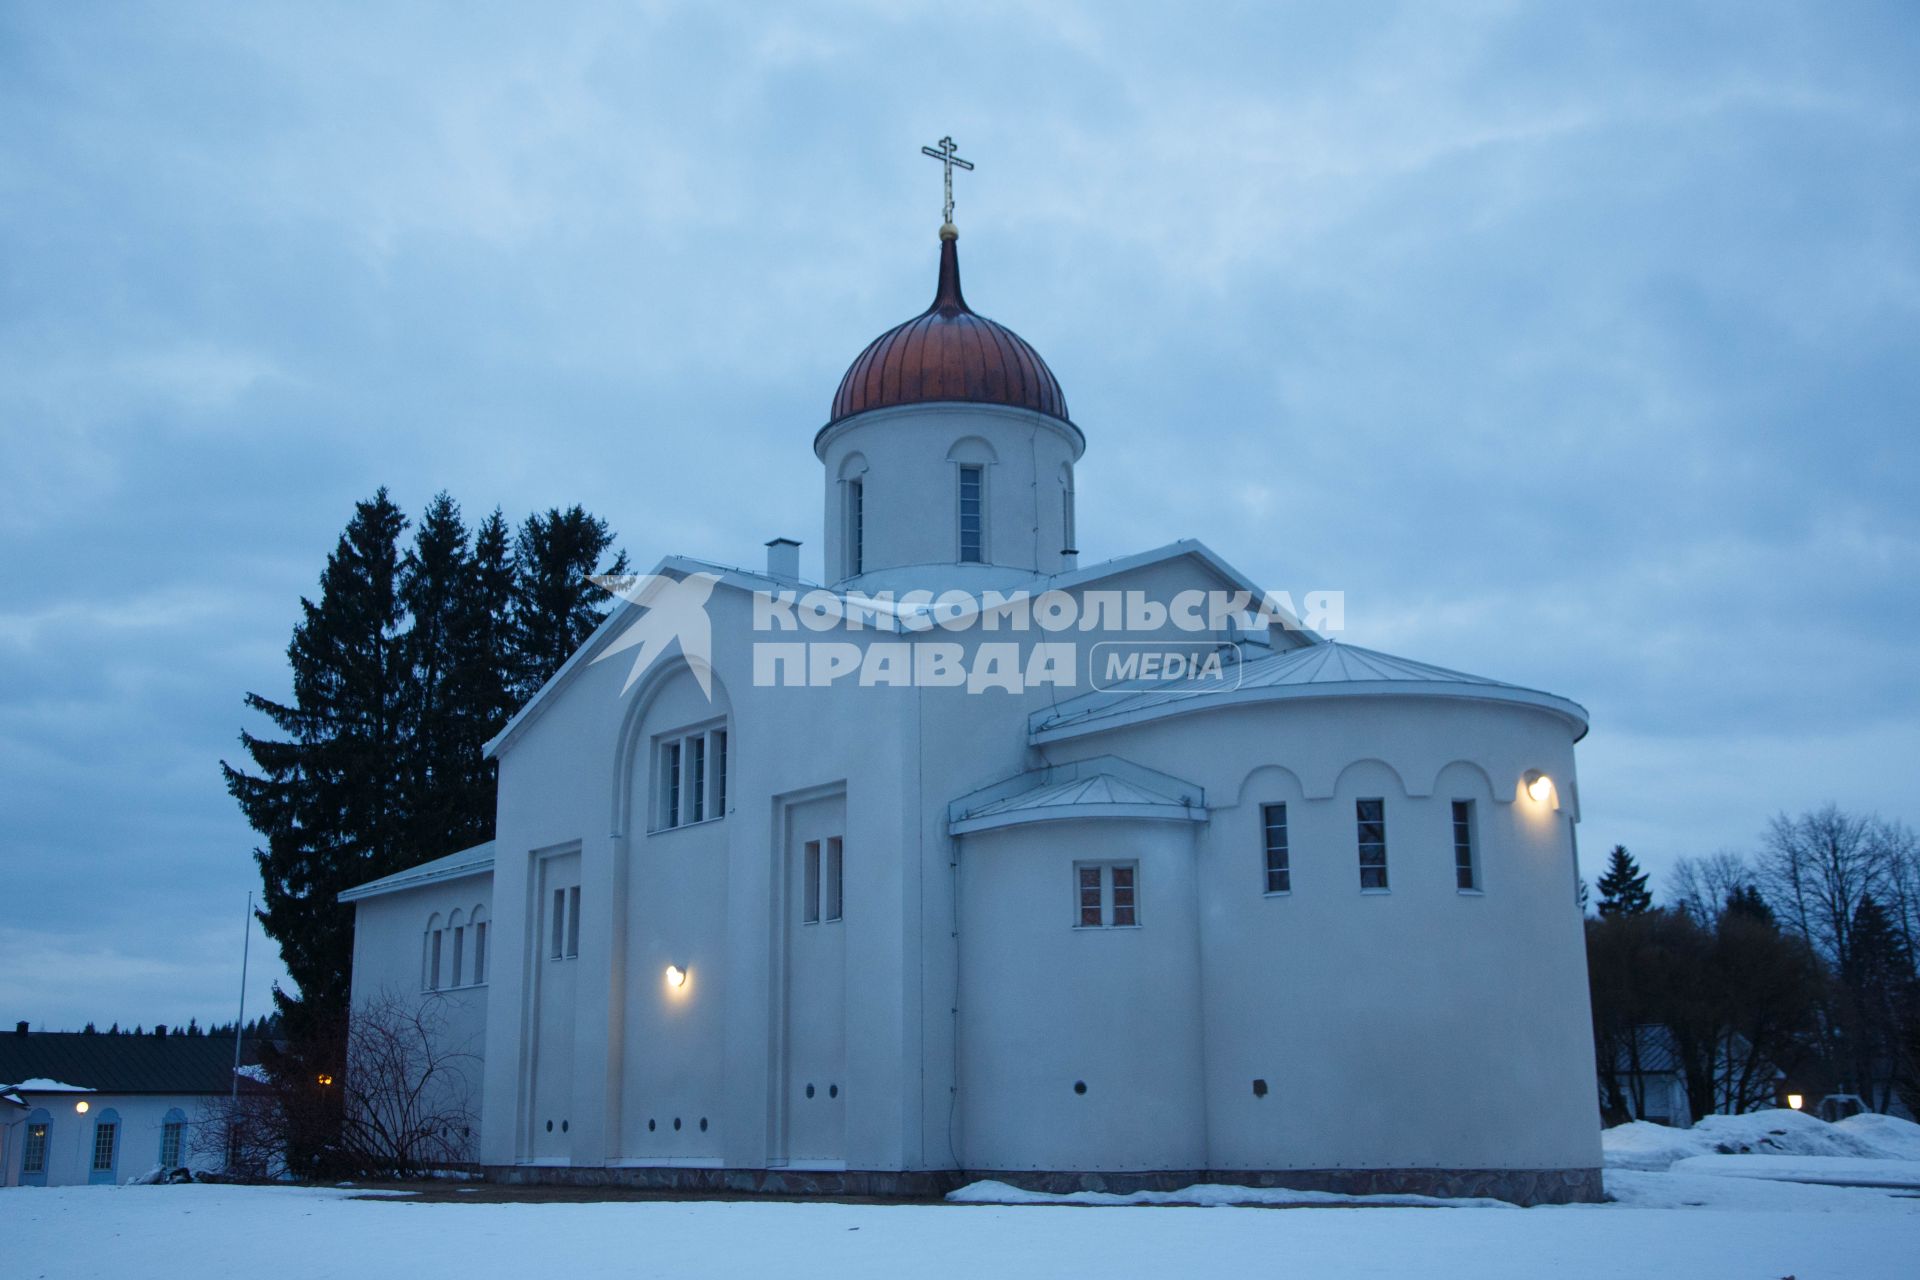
x=467, y=862
x=1104, y=787
x=1328, y=669
x=106, y=1062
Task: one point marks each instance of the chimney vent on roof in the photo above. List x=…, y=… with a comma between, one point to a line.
x=783, y=559
x=19, y=1028
x=160, y=1029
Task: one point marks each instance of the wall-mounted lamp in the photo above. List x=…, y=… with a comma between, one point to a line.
x=324, y=1079
x=1795, y=1101
x=1539, y=786
x=82, y=1106
x=676, y=976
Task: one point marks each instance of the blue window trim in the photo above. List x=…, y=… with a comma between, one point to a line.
x=105, y=1177
x=174, y=1116
x=39, y=1115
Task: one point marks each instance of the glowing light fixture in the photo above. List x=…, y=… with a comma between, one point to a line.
x=1795, y=1101
x=82, y=1106
x=676, y=976
x=1539, y=786
x=324, y=1079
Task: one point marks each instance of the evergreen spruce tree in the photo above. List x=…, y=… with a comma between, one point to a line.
x=1745, y=901
x=328, y=797
x=1623, y=889
x=555, y=607
x=483, y=679
x=435, y=582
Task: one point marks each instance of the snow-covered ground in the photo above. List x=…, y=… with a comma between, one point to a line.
x=1700, y=1227
x=1741, y=1196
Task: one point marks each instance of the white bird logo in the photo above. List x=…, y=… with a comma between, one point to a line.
x=671, y=609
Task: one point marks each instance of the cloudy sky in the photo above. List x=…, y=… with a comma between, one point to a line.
x=1578, y=348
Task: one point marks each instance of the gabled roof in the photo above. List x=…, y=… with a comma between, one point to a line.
x=1104, y=787
x=108, y=1063
x=468, y=862
x=1327, y=669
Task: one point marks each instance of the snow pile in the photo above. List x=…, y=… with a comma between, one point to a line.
x=1897, y=1138
x=1781, y=1132
x=1837, y=1171
x=1205, y=1195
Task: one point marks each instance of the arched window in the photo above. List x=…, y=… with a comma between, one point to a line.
x=457, y=934
x=478, y=927
x=173, y=1138
x=853, y=506
x=972, y=458
x=106, y=1147
x=430, y=954
x=36, y=1147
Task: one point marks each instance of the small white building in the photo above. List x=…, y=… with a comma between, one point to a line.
x=1149, y=892
x=85, y=1107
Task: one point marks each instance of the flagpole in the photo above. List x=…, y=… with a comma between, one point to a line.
x=240, y=1022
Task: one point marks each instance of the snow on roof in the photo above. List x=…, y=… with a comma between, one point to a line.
x=47, y=1086
x=1328, y=669
x=467, y=862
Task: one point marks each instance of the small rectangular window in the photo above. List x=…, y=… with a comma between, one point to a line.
x=972, y=534
x=1466, y=868
x=670, y=784
x=170, y=1142
x=573, y=921
x=557, y=944
x=830, y=886
x=856, y=527
x=810, y=884
x=103, y=1147
x=35, y=1156
x=1370, y=817
x=480, y=952
x=1106, y=895
x=1273, y=821
x=433, y=967
x=459, y=953
x=719, y=753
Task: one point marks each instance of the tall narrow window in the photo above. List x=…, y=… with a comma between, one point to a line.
x=1370, y=817
x=480, y=951
x=1273, y=824
x=856, y=527
x=558, y=945
x=573, y=921
x=810, y=886
x=459, y=953
x=719, y=753
x=670, y=783
x=172, y=1136
x=830, y=882
x=1466, y=867
x=972, y=541
x=103, y=1146
x=696, y=778
x=1105, y=896
x=433, y=966
x=34, y=1158
x=1066, y=510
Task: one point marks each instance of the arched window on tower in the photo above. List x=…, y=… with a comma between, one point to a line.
x=1068, y=545
x=972, y=458
x=853, y=507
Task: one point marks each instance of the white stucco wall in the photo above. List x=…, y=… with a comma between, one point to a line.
x=140, y=1117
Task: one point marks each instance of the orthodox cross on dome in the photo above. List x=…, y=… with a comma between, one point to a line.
x=944, y=153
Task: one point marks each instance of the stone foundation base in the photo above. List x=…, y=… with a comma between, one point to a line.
x=1520, y=1186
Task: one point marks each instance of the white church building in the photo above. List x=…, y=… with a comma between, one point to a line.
x=976, y=861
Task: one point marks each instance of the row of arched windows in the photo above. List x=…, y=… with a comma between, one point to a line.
x=102, y=1154
x=972, y=459
x=454, y=951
